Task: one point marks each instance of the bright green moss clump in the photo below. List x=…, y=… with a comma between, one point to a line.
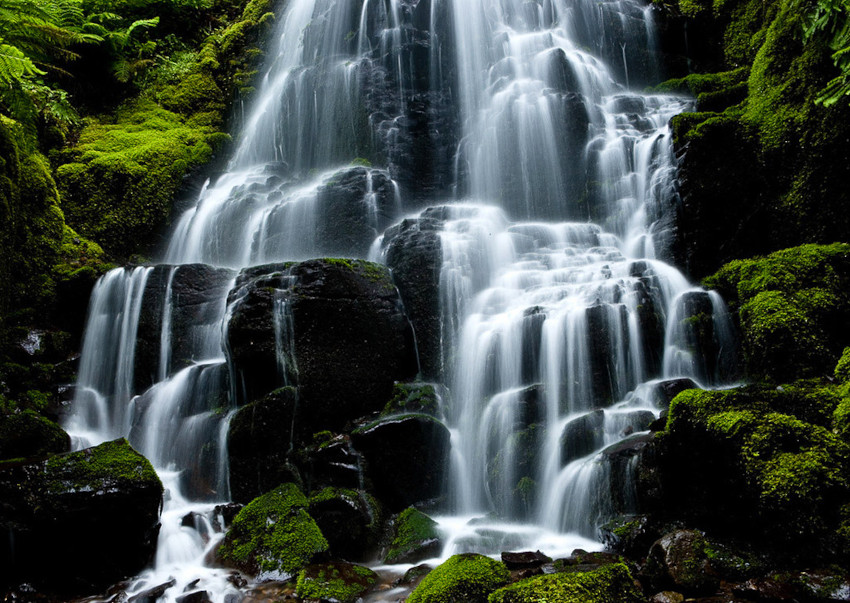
x=608, y=583
x=468, y=577
x=794, y=308
x=274, y=533
x=342, y=582
x=414, y=531
x=100, y=468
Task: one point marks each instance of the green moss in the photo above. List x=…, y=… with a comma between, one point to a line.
x=26, y=434
x=99, y=468
x=701, y=83
x=412, y=531
x=341, y=582
x=609, y=583
x=842, y=369
x=412, y=397
x=274, y=533
x=468, y=577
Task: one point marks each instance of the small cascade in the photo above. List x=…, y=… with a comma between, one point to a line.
x=509, y=147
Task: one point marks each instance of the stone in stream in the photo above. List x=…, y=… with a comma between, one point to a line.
x=415, y=537
x=98, y=508
x=349, y=519
x=524, y=560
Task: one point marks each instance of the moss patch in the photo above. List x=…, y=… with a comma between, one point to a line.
x=413, y=532
x=26, y=434
x=609, y=583
x=468, y=577
x=99, y=468
x=343, y=582
x=274, y=533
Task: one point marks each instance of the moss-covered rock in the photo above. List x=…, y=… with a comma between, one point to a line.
x=741, y=461
x=608, y=583
x=793, y=306
x=467, y=577
x=413, y=398
x=274, y=534
x=27, y=434
x=349, y=519
x=415, y=537
x=342, y=582
x=98, y=508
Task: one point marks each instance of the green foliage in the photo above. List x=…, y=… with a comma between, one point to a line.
x=341, y=582
x=274, y=533
x=467, y=577
x=608, y=583
x=412, y=530
x=831, y=19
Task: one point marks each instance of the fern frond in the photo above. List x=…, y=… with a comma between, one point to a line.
x=15, y=65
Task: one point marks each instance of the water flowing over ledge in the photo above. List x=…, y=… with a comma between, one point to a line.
x=511, y=131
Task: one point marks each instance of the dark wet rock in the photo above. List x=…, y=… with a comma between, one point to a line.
x=350, y=520
x=630, y=535
x=679, y=560
x=332, y=463
x=414, y=575
x=152, y=595
x=28, y=434
x=666, y=390
x=258, y=445
x=415, y=256
x=350, y=338
x=766, y=589
x=822, y=585
x=196, y=296
x=582, y=435
x=98, y=508
x=606, y=324
x=225, y=513
x=354, y=204
x=337, y=581
x=199, y=596
x=415, y=537
x=405, y=458
x=667, y=596
x=522, y=560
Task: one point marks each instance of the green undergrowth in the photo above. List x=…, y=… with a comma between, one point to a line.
x=274, y=533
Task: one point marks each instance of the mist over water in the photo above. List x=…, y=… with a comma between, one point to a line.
x=516, y=130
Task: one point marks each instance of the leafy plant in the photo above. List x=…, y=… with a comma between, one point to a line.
x=832, y=18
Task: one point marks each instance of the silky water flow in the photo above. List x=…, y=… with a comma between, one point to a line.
x=514, y=130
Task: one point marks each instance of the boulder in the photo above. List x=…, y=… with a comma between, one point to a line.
x=350, y=521
x=258, y=445
x=414, y=253
x=337, y=581
x=608, y=583
x=97, y=508
x=274, y=534
x=405, y=458
x=340, y=335
x=28, y=434
x=415, y=537
x=524, y=560
x=468, y=577
x=582, y=435
x=679, y=560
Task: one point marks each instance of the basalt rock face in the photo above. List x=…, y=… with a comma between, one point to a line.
x=334, y=328
x=81, y=521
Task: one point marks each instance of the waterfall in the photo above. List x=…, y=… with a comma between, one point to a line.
x=515, y=130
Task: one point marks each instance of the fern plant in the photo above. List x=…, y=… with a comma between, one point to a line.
x=832, y=18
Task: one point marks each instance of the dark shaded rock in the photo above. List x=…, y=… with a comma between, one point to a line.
x=192, y=295
x=152, y=595
x=258, y=445
x=766, y=589
x=415, y=537
x=679, y=560
x=582, y=435
x=667, y=596
x=199, y=596
x=348, y=337
x=631, y=536
x=405, y=458
x=354, y=204
x=28, y=434
x=604, y=327
x=99, y=509
x=414, y=254
x=350, y=521
x=523, y=560
x=332, y=463
x=225, y=513
x=414, y=575
x=337, y=581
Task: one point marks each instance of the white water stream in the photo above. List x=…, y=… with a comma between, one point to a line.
x=558, y=180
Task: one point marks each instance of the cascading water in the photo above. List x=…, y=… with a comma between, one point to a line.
x=553, y=180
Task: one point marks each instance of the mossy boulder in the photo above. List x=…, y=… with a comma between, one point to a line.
x=608, y=583
x=413, y=398
x=28, y=434
x=338, y=581
x=274, y=534
x=678, y=560
x=468, y=577
x=742, y=461
x=415, y=537
x=794, y=308
x=98, y=508
x=349, y=519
